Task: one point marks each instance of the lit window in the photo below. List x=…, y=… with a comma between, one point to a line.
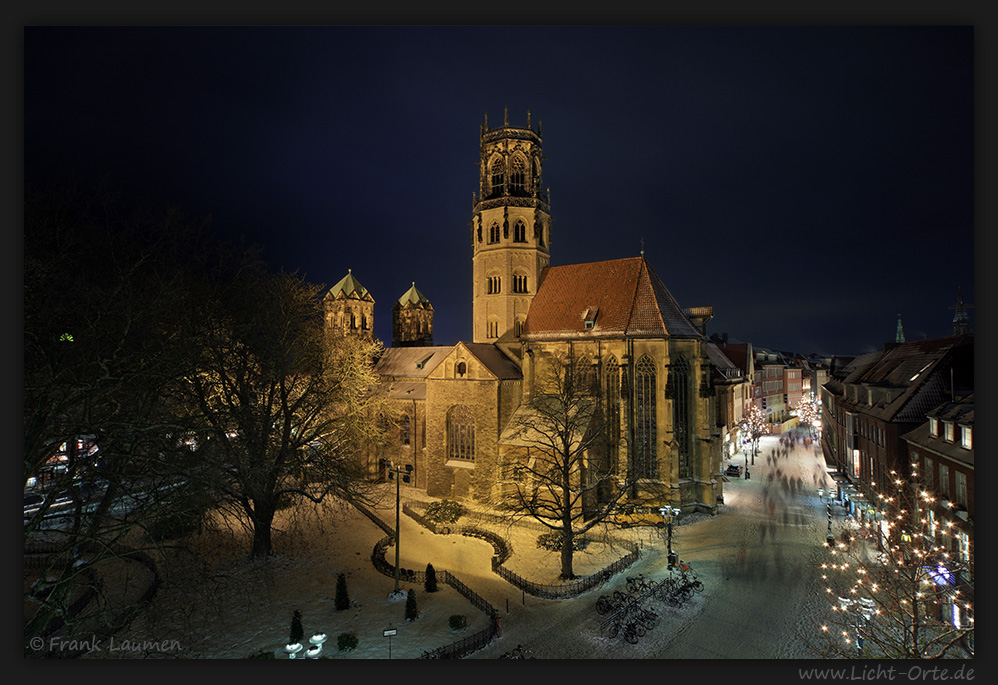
x=934, y=427
x=966, y=437
x=948, y=431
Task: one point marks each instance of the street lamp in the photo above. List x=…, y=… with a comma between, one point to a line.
x=670, y=515
x=393, y=472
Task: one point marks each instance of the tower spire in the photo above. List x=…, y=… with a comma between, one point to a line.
x=961, y=320
x=899, y=337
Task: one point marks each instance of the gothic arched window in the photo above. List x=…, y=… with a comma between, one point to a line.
x=517, y=177
x=585, y=376
x=460, y=433
x=612, y=385
x=519, y=283
x=520, y=232
x=498, y=170
x=406, y=430
x=682, y=412
x=494, y=233
x=645, y=460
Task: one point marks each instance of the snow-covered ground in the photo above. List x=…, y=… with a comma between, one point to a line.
x=757, y=559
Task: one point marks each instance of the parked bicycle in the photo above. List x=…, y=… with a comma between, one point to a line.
x=638, y=583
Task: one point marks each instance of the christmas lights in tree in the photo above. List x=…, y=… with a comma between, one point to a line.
x=894, y=588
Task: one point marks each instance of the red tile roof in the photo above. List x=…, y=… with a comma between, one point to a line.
x=630, y=297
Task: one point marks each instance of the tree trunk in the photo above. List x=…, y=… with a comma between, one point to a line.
x=567, y=549
x=263, y=519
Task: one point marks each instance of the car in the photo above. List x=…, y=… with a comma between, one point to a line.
x=632, y=515
x=733, y=470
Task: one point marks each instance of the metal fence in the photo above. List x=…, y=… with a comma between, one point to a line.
x=504, y=551
x=462, y=647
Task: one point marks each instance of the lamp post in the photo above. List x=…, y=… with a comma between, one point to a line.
x=670, y=515
x=394, y=472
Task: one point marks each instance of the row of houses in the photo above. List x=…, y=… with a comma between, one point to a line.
x=899, y=422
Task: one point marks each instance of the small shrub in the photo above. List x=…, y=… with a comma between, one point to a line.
x=411, y=612
x=297, y=632
x=430, y=584
x=458, y=622
x=342, y=598
x=346, y=641
x=552, y=542
x=445, y=511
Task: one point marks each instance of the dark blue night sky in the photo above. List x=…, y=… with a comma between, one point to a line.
x=810, y=183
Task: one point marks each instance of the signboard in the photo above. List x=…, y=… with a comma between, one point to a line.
x=390, y=631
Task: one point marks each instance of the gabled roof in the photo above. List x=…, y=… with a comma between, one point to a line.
x=722, y=365
x=413, y=362
x=915, y=374
x=350, y=287
x=501, y=366
x=740, y=355
x=617, y=297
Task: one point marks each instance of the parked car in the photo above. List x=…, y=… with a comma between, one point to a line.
x=632, y=515
x=733, y=470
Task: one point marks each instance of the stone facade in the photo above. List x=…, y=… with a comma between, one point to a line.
x=511, y=233
x=648, y=357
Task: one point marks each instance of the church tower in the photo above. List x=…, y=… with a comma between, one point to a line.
x=349, y=308
x=961, y=320
x=412, y=320
x=511, y=232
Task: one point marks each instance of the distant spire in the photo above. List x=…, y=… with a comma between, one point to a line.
x=528, y=118
x=642, y=247
x=961, y=320
x=505, y=116
x=899, y=338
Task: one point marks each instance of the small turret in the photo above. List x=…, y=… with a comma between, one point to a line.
x=412, y=320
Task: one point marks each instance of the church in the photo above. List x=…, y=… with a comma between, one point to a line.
x=644, y=357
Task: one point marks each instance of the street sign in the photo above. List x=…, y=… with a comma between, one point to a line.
x=390, y=631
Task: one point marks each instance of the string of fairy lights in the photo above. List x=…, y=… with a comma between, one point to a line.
x=907, y=583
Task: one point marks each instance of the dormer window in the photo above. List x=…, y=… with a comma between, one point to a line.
x=933, y=426
x=948, y=431
x=967, y=437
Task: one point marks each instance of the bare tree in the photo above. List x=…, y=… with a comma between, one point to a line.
x=283, y=410
x=102, y=355
x=899, y=595
x=554, y=461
